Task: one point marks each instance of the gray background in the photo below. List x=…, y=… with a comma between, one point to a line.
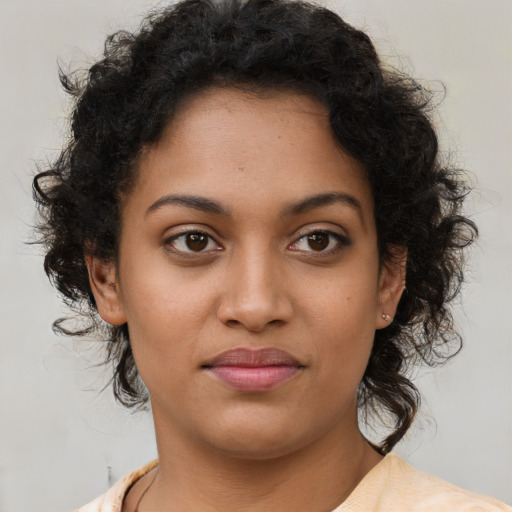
x=62, y=444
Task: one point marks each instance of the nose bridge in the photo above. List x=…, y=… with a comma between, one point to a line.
x=255, y=292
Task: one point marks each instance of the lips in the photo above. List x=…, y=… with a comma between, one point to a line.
x=253, y=370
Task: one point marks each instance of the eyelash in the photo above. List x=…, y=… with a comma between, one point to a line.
x=168, y=243
x=342, y=241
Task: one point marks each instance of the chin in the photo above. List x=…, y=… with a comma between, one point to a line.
x=261, y=438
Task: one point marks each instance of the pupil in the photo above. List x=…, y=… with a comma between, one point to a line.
x=196, y=242
x=318, y=241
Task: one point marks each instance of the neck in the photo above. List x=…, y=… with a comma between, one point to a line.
x=318, y=476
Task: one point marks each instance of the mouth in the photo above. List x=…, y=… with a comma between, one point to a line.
x=253, y=370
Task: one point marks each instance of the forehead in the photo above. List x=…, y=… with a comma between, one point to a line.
x=259, y=100
x=265, y=115
x=273, y=145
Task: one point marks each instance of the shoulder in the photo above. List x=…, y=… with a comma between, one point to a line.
x=432, y=493
x=395, y=486
x=112, y=500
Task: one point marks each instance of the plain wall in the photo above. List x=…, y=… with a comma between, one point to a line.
x=61, y=443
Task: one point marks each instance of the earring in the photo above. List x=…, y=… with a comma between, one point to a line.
x=385, y=317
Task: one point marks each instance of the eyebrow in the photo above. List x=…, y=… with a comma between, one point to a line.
x=319, y=200
x=203, y=204
x=305, y=205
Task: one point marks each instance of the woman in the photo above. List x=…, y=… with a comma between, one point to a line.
x=255, y=211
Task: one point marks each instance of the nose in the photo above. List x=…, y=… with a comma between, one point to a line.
x=254, y=293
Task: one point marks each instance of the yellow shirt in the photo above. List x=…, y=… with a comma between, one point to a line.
x=391, y=486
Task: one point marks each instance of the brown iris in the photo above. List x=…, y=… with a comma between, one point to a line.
x=318, y=241
x=196, y=241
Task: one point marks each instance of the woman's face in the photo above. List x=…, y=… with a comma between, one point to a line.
x=249, y=276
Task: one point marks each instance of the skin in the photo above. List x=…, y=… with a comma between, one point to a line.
x=258, y=282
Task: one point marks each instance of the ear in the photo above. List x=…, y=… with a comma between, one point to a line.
x=105, y=288
x=391, y=286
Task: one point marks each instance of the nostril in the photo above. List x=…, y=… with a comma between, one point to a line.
x=254, y=309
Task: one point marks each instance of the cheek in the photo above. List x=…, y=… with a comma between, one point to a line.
x=343, y=323
x=345, y=303
x=165, y=317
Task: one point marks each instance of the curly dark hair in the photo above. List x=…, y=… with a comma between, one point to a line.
x=379, y=115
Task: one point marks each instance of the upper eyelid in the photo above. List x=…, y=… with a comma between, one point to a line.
x=326, y=231
x=187, y=231
x=341, y=238
x=304, y=231
x=168, y=244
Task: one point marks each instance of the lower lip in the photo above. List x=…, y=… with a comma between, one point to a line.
x=254, y=379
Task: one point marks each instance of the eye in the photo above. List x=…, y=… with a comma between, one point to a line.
x=321, y=242
x=191, y=242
